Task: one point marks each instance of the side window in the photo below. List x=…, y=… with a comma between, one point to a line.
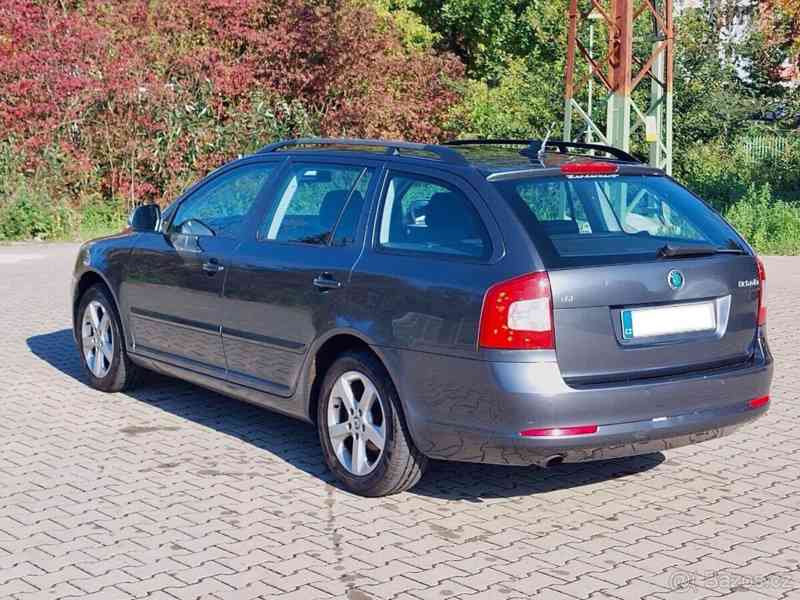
x=313, y=201
x=219, y=208
x=348, y=223
x=423, y=215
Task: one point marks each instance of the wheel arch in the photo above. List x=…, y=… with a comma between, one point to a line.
x=88, y=279
x=325, y=353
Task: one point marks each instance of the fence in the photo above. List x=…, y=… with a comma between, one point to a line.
x=770, y=146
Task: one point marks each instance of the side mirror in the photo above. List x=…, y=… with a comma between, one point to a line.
x=145, y=218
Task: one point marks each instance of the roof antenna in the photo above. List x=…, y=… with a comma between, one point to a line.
x=540, y=153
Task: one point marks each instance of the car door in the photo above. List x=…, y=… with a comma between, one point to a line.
x=420, y=284
x=174, y=287
x=287, y=283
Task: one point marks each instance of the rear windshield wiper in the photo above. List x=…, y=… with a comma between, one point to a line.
x=670, y=251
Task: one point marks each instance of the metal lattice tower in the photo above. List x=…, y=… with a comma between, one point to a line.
x=620, y=71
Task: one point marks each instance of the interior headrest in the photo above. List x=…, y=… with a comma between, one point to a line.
x=444, y=211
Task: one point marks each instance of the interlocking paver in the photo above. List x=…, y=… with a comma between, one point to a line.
x=14, y=587
x=95, y=584
x=172, y=492
x=444, y=590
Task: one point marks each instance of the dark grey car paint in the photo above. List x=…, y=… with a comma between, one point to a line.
x=173, y=290
x=589, y=342
x=174, y=306
x=273, y=309
x=420, y=314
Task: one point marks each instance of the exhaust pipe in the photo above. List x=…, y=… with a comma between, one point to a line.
x=553, y=461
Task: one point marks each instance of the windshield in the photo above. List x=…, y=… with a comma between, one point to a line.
x=583, y=221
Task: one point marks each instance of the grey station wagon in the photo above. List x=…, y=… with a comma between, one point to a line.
x=509, y=302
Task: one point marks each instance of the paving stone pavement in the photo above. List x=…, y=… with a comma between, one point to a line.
x=175, y=492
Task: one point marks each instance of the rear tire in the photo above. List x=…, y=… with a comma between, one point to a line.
x=362, y=433
x=102, y=344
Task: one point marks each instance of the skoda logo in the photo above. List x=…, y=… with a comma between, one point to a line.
x=675, y=279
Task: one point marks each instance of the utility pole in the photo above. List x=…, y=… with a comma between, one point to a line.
x=620, y=72
x=593, y=16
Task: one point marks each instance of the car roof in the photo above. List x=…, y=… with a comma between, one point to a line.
x=488, y=157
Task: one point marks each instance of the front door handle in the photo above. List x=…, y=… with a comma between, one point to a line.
x=325, y=281
x=212, y=266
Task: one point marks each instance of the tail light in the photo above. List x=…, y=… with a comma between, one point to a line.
x=758, y=402
x=518, y=314
x=762, y=292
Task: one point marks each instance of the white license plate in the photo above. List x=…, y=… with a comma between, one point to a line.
x=668, y=320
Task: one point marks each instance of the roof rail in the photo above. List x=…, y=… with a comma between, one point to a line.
x=561, y=146
x=393, y=148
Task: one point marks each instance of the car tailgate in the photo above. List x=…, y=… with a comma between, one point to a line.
x=592, y=346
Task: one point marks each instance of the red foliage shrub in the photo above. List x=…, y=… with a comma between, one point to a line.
x=780, y=22
x=137, y=97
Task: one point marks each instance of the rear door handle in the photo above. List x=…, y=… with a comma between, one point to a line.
x=325, y=281
x=212, y=266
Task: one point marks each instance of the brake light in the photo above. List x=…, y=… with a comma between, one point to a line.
x=758, y=402
x=560, y=431
x=589, y=168
x=762, y=292
x=518, y=314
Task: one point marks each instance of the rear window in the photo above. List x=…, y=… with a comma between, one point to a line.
x=585, y=221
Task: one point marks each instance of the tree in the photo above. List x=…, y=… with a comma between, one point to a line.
x=780, y=21
x=710, y=99
x=513, y=52
x=142, y=97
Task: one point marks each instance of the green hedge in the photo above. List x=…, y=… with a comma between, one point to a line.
x=760, y=196
x=771, y=225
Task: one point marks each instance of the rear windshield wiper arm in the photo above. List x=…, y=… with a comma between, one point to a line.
x=669, y=251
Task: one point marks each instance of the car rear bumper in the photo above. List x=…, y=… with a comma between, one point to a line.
x=476, y=412
x=611, y=441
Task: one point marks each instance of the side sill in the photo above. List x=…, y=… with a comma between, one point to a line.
x=287, y=406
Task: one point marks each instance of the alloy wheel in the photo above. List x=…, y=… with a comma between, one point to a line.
x=356, y=423
x=98, y=339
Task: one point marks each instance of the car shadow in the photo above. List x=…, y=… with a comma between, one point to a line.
x=474, y=482
x=296, y=442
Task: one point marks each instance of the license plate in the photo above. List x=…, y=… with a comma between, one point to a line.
x=657, y=321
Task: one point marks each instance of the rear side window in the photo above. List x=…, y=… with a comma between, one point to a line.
x=584, y=221
x=431, y=216
x=317, y=204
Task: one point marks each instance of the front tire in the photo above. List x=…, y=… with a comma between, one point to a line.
x=102, y=343
x=364, y=440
